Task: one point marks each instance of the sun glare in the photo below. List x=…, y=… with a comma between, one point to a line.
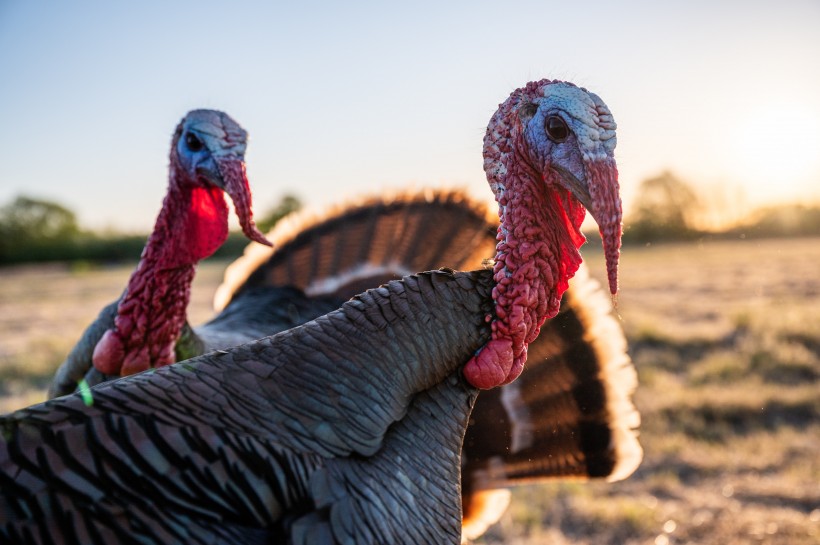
x=778, y=153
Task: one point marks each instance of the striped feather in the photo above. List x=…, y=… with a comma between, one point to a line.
x=238, y=446
x=569, y=415
x=345, y=250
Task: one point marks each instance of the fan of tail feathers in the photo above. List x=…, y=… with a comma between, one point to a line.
x=569, y=415
x=357, y=246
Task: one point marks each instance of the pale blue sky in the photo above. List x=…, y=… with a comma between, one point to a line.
x=341, y=98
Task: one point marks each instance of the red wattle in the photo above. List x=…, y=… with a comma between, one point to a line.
x=206, y=226
x=191, y=226
x=492, y=365
x=108, y=354
x=533, y=266
x=537, y=252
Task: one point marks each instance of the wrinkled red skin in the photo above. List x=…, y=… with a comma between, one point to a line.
x=192, y=225
x=604, y=191
x=532, y=270
x=539, y=238
x=237, y=187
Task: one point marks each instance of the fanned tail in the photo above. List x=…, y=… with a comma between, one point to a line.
x=569, y=414
x=354, y=247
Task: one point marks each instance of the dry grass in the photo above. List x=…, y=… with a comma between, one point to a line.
x=726, y=338
x=44, y=309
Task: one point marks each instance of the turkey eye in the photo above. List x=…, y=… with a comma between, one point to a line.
x=194, y=144
x=557, y=129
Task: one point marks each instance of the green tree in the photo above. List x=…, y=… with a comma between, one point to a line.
x=784, y=221
x=289, y=203
x=37, y=220
x=666, y=208
x=34, y=228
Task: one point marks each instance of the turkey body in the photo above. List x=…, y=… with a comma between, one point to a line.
x=141, y=329
x=568, y=416
x=574, y=418
x=288, y=438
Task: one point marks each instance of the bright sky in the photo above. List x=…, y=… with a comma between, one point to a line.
x=345, y=97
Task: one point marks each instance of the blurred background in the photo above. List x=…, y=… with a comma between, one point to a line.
x=719, y=160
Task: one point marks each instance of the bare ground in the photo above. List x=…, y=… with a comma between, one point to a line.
x=726, y=339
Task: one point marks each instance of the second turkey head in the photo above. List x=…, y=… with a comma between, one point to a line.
x=207, y=160
x=548, y=156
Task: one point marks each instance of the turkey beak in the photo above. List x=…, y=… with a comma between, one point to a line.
x=208, y=172
x=605, y=207
x=231, y=172
x=574, y=184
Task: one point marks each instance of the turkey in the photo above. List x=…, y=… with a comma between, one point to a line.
x=574, y=395
x=115, y=424
x=546, y=196
x=569, y=415
x=284, y=440
x=347, y=429
x=142, y=328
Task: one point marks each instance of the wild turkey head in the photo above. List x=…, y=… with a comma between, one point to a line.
x=207, y=159
x=548, y=155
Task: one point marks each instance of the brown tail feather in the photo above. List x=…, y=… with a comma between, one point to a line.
x=361, y=245
x=569, y=414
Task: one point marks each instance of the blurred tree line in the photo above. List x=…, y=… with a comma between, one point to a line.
x=35, y=230
x=666, y=209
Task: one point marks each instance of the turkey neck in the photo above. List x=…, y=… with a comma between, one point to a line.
x=529, y=274
x=536, y=255
x=192, y=224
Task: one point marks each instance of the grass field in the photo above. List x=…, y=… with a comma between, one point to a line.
x=726, y=339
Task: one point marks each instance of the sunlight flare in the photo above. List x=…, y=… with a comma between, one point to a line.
x=776, y=152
